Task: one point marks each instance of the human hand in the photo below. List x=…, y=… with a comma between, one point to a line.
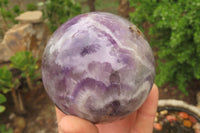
x=140, y=121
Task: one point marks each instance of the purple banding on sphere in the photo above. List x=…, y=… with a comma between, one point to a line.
x=98, y=66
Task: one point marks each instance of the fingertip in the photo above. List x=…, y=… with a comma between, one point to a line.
x=155, y=91
x=147, y=112
x=150, y=105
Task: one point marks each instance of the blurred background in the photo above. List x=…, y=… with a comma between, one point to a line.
x=172, y=28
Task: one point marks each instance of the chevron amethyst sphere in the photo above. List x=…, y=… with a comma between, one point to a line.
x=98, y=66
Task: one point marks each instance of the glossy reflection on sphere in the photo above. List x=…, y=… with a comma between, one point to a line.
x=98, y=66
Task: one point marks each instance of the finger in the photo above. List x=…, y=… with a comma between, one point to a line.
x=73, y=124
x=146, y=114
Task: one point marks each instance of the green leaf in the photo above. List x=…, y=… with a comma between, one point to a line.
x=5, y=74
x=25, y=62
x=197, y=70
x=4, y=129
x=16, y=9
x=2, y=108
x=5, y=79
x=2, y=98
x=6, y=90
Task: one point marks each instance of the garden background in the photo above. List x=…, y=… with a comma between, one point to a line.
x=172, y=28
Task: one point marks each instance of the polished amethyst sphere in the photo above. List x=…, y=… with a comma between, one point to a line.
x=98, y=66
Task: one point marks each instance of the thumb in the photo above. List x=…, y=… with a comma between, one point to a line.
x=146, y=114
x=73, y=124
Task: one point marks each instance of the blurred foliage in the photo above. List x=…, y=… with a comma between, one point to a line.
x=7, y=13
x=59, y=11
x=100, y=5
x=4, y=129
x=175, y=31
x=55, y=11
x=5, y=80
x=6, y=83
x=31, y=7
x=26, y=63
x=107, y=5
x=2, y=100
